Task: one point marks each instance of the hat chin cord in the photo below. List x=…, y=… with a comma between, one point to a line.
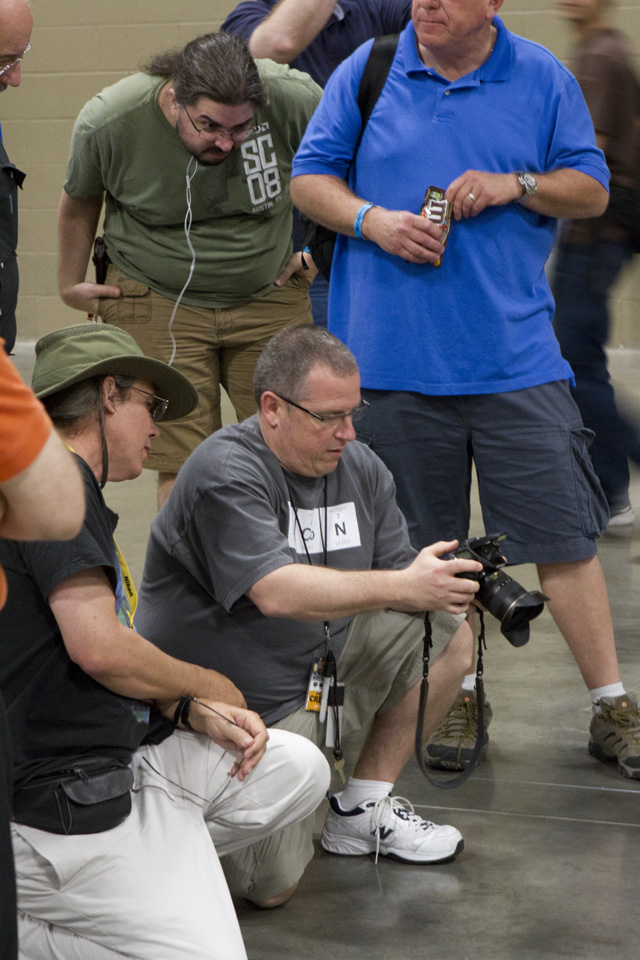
x=105, y=449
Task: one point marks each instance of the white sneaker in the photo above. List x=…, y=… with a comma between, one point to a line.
x=389, y=827
x=622, y=517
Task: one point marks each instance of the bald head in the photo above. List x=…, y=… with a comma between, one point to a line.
x=16, y=23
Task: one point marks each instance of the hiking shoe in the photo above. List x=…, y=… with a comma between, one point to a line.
x=451, y=745
x=389, y=827
x=615, y=733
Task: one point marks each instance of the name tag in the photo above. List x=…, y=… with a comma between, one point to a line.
x=342, y=529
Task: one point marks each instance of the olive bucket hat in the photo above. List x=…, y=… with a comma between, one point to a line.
x=76, y=353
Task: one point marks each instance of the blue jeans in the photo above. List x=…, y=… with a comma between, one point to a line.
x=584, y=275
x=319, y=293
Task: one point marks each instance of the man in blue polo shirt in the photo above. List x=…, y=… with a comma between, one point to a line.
x=459, y=360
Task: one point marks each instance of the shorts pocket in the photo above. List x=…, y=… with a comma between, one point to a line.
x=594, y=511
x=133, y=306
x=300, y=281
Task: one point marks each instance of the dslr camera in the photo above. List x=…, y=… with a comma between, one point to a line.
x=502, y=596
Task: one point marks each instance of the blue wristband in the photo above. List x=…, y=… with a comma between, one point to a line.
x=357, y=226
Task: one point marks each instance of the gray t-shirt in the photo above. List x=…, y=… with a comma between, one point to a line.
x=228, y=523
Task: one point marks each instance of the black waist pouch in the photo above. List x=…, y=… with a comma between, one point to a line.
x=76, y=800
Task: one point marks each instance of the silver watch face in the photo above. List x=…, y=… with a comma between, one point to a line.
x=529, y=183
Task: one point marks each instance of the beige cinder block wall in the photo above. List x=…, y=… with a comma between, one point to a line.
x=81, y=46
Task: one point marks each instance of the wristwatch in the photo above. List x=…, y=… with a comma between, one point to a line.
x=528, y=183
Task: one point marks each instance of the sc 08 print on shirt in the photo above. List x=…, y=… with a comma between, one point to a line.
x=261, y=169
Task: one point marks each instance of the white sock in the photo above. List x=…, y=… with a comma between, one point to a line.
x=469, y=682
x=611, y=690
x=357, y=791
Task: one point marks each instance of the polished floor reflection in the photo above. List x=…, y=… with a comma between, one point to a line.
x=550, y=867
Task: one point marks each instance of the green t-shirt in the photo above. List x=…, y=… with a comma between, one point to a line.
x=241, y=210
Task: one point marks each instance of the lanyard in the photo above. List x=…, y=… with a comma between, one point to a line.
x=127, y=584
x=330, y=665
x=323, y=541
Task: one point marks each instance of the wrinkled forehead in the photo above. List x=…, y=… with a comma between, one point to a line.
x=322, y=386
x=222, y=113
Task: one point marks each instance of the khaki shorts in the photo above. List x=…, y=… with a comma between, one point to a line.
x=381, y=662
x=214, y=348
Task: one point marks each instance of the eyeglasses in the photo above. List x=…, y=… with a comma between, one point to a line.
x=213, y=131
x=157, y=407
x=14, y=63
x=332, y=419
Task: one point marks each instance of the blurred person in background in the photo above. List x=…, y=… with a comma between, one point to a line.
x=592, y=253
x=16, y=24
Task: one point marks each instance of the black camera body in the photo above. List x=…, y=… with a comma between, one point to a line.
x=502, y=596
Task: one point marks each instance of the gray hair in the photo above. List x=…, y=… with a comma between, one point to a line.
x=77, y=405
x=217, y=66
x=289, y=357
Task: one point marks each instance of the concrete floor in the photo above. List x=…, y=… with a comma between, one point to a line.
x=551, y=862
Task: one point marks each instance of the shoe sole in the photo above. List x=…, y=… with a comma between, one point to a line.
x=597, y=751
x=349, y=847
x=448, y=758
x=447, y=859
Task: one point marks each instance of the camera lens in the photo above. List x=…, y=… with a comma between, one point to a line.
x=511, y=604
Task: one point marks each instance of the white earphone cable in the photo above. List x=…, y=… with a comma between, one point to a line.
x=187, y=228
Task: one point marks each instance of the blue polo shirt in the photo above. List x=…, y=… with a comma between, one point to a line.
x=480, y=323
x=351, y=23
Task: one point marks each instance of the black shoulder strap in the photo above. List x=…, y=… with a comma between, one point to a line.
x=321, y=240
x=375, y=75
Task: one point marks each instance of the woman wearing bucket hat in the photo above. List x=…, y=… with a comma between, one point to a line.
x=113, y=811
x=84, y=373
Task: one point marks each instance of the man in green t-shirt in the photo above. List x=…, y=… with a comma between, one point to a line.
x=194, y=156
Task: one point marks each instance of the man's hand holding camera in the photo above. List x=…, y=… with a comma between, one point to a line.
x=433, y=583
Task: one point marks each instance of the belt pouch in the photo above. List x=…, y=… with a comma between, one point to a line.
x=76, y=801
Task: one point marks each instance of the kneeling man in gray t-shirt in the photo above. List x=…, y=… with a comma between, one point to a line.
x=280, y=554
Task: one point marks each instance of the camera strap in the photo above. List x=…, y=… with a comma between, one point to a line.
x=442, y=782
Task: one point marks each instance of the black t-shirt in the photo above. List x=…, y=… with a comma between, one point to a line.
x=57, y=711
